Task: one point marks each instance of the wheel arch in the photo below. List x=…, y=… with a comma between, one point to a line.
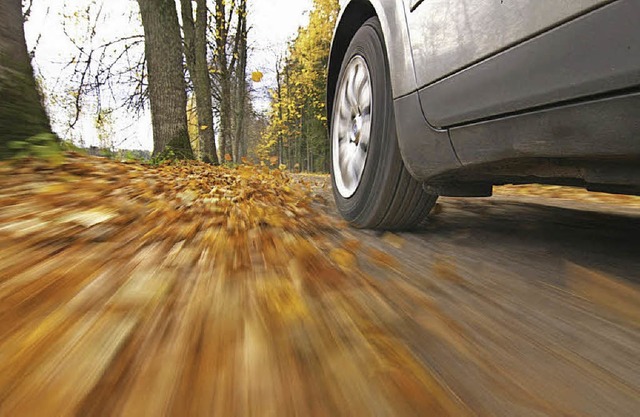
x=393, y=21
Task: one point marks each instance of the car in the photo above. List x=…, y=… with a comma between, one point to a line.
x=429, y=98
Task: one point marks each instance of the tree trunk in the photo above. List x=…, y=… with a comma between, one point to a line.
x=195, y=42
x=222, y=30
x=241, y=80
x=203, y=84
x=167, y=93
x=280, y=115
x=22, y=114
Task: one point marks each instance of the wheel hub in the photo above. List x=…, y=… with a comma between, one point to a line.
x=357, y=129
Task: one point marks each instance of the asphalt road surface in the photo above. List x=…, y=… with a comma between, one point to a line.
x=520, y=306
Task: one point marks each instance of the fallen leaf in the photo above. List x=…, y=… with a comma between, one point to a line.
x=393, y=239
x=382, y=259
x=343, y=258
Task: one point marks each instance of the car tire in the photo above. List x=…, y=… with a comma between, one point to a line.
x=384, y=195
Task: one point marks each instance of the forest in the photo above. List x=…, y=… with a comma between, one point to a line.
x=183, y=62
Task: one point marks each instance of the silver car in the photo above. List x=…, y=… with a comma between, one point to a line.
x=451, y=97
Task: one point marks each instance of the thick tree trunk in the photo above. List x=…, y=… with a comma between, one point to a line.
x=195, y=42
x=241, y=80
x=225, y=117
x=22, y=113
x=222, y=31
x=188, y=30
x=167, y=93
x=203, y=84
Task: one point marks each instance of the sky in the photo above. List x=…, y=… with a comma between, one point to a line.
x=272, y=24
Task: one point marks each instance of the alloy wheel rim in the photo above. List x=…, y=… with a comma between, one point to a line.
x=351, y=126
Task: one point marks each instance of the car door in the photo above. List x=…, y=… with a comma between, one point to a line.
x=449, y=36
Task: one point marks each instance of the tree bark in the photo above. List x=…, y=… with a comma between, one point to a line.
x=222, y=32
x=22, y=114
x=280, y=115
x=203, y=83
x=241, y=79
x=195, y=42
x=167, y=92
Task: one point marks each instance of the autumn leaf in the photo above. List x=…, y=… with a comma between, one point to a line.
x=343, y=258
x=382, y=259
x=352, y=245
x=228, y=157
x=393, y=239
x=256, y=76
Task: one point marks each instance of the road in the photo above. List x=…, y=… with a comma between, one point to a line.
x=187, y=290
x=520, y=306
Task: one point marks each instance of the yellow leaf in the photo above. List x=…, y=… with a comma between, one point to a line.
x=203, y=127
x=256, y=76
x=393, y=239
x=343, y=258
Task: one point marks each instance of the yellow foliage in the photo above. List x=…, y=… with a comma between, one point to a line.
x=192, y=126
x=300, y=94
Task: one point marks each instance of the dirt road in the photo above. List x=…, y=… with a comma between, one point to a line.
x=501, y=307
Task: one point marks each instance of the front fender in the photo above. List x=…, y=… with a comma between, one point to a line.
x=392, y=16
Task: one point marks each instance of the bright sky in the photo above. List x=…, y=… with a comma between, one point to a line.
x=273, y=23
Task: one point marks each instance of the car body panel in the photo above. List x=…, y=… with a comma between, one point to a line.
x=604, y=128
x=448, y=35
x=426, y=152
x=593, y=54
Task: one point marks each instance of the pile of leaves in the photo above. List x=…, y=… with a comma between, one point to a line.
x=92, y=200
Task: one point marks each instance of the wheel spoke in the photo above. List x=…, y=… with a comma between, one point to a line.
x=365, y=133
x=343, y=150
x=360, y=81
x=343, y=128
x=345, y=105
x=359, y=158
x=354, y=168
x=364, y=97
x=346, y=164
x=352, y=96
